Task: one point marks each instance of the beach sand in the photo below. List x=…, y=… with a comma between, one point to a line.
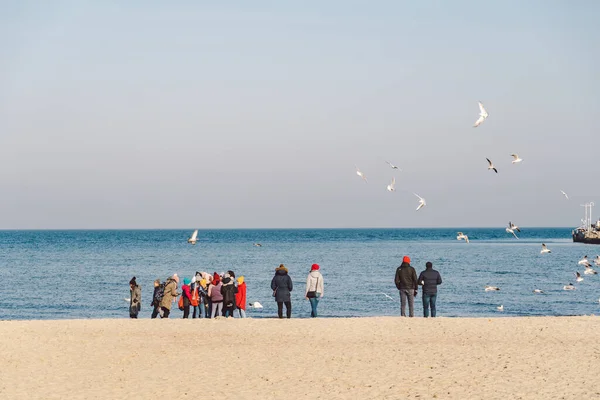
x=361, y=358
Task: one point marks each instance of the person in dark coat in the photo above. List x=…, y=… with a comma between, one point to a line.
x=429, y=279
x=135, y=301
x=282, y=286
x=407, y=283
x=228, y=290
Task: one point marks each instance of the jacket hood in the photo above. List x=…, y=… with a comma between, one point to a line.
x=315, y=273
x=281, y=270
x=227, y=281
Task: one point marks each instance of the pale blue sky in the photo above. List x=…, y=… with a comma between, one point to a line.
x=253, y=114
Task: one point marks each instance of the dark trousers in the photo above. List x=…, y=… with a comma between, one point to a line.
x=429, y=301
x=186, y=311
x=228, y=311
x=207, y=308
x=407, y=296
x=196, y=310
x=166, y=312
x=155, y=311
x=288, y=309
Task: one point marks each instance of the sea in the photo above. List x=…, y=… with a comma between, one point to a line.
x=79, y=274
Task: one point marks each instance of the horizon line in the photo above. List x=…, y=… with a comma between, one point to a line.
x=273, y=229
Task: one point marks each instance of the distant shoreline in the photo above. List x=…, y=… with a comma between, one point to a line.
x=266, y=229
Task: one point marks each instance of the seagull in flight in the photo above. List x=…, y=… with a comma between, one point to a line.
x=392, y=186
x=578, y=278
x=386, y=295
x=584, y=261
x=256, y=305
x=364, y=178
x=564, y=194
x=538, y=291
x=597, y=260
x=501, y=308
x=511, y=229
x=569, y=287
x=194, y=238
x=491, y=288
x=393, y=166
x=462, y=236
x=589, y=271
x=545, y=249
x=491, y=165
x=516, y=158
x=422, y=202
x=257, y=245
x=482, y=115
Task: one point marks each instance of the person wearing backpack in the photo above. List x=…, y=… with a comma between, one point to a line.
x=195, y=297
x=170, y=294
x=159, y=290
x=228, y=290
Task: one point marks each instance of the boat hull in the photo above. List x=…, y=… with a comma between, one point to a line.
x=581, y=237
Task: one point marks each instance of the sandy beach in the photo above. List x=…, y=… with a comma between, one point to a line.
x=366, y=358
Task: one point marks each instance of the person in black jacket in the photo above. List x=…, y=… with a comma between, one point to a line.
x=282, y=286
x=429, y=279
x=228, y=290
x=407, y=284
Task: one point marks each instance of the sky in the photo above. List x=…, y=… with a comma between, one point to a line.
x=191, y=114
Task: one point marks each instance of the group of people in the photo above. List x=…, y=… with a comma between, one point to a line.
x=220, y=295
x=407, y=283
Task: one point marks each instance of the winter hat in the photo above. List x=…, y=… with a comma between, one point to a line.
x=240, y=280
x=406, y=259
x=231, y=274
x=176, y=278
x=186, y=281
x=315, y=267
x=216, y=279
x=132, y=281
x=281, y=268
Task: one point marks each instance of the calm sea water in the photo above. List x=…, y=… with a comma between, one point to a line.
x=85, y=274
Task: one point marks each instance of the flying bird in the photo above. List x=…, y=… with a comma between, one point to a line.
x=501, y=308
x=510, y=229
x=359, y=173
x=589, y=271
x=538, y=291
x=386, y=295
x=513, y=227
x=569, y=287
x=491, y=288
x=516, y=158
x=564, y=194
x=462, y=236
x=392, y=186
x=482, y=115
x=194, y=238
x=578, y=278
x=422, y=202
x=597, y=260
x=393, y=166
x=584, y=261
x=545, y=249
x=257, y=245
x=256, y=305
x=491, y=166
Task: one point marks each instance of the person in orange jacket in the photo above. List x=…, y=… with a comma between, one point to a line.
x=240, y=297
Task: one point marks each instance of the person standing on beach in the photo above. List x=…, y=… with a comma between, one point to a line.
x=407, y=283
x=195, y=298
x=240, y=297
x=135, y=299
x=155, y=299
x=314, y=288
x=429, y=279
x=186, y=293
x=216, y=298
x=169, y=295
x=228, y=290
x=282, y=286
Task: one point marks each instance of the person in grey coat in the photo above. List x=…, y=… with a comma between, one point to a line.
x=135, y=299
x=282, y=286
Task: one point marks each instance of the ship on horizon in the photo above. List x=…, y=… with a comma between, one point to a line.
x=587, y=232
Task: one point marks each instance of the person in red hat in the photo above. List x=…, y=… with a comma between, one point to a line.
x=407, y=283
x=314, y=288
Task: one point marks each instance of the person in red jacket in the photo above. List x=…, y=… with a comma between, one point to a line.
x=187, y=295
x=240, y=297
